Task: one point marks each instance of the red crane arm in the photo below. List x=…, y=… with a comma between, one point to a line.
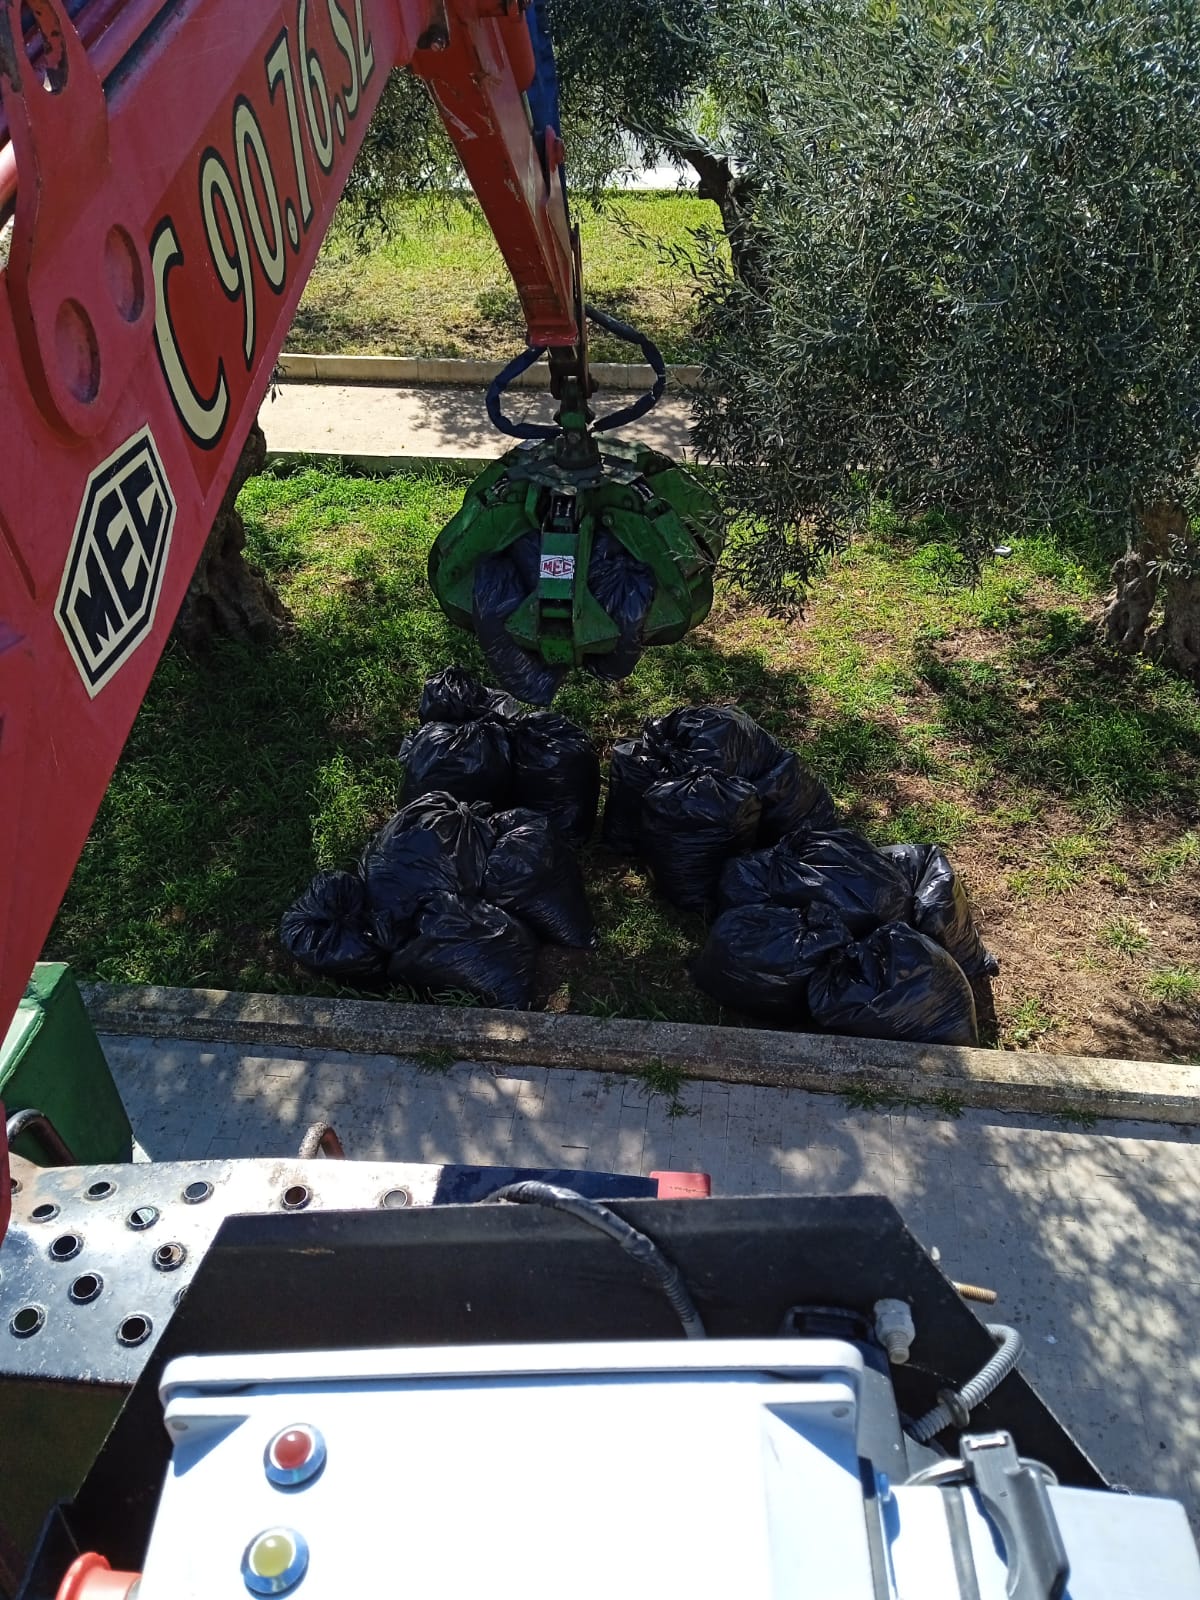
x=170, y=171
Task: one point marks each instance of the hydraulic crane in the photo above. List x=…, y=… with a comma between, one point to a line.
x=168, y=169
x=338, y=1370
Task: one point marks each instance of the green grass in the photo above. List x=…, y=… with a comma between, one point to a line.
x=439, y=286
x=1066, y=863
x=248, y=771
x=658, y=1077
x=1029, y=1022
x=1076, y=1117
x=435, y=1062
x=1124, y=935
x=244, y=774
x=1162, y=865
x=870, y=1094
x=1175, y=986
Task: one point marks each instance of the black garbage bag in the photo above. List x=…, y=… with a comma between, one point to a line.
x=434, y=845
x=456, y=695
x=525, y=554
x=327, y=930
x=499, y=590
x=556, y=771
x=839, y=868
x=533, y=873
x=392, y=930
x=625, y=587
x=471, y=947
x=689, y=829
x=911, y=859
x=894, y=984
x=792, y=797
x=403, y=869
x=759, y=958
x=942, y=907
x=633, y=769
x=470, y=760
x=746, y=880
x=719, y=738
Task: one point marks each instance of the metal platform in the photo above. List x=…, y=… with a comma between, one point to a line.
x=476, y=1274
x=97, y=1261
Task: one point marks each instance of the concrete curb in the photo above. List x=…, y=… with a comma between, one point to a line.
x=992, y=1079
x=296, y=366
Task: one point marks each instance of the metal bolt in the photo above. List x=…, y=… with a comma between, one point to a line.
x=975, y=1291
x=894, y=1329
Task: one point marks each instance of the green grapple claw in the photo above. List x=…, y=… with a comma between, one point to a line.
x=567, y=491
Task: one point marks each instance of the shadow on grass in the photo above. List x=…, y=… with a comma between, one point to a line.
x=1092, y=727
x=248, y=771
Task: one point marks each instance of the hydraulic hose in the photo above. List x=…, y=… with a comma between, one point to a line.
x=514, y=369
x=955, y=1406
x=642, y=1248
x=615, y=419
x=622, y=330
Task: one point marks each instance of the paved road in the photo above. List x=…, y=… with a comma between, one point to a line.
x=363, y=419
x=1088, y=1235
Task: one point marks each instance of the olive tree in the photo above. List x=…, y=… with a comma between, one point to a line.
x=631, y=78
x=970, y=282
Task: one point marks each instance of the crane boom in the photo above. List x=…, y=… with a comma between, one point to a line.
x=168, y=169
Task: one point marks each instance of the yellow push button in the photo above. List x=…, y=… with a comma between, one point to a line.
x=272, y=1555
x=274, y=1560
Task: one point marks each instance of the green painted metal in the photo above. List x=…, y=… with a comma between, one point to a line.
x=567, y=489
x=51, y=1060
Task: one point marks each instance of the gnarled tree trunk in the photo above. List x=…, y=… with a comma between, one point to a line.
x=1141, y=584
x=1176, y=640
x=719, y=184
x=227, y=597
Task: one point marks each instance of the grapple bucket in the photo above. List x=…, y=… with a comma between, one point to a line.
x=558, y=562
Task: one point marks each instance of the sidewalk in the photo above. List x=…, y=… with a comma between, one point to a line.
x=1088, y=1236
x=382, y=424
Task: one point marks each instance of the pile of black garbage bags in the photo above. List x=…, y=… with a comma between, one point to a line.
x=477, y=867
x=813, y=926
x=810, y=925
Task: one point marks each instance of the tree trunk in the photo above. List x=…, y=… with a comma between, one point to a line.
x=227, y=597
x=719, y=184
x=1140, y=583
x=1176, y=640
x=1128, y=608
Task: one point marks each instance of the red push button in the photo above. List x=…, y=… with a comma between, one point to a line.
x=292, y=1449
x=294, y=1455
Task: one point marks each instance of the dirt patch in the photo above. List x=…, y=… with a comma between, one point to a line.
x=1078, y=960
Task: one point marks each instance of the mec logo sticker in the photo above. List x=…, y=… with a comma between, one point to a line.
x=118, y=555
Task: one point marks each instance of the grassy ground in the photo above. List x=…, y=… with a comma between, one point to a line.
x=440, y=286
x=1065, y=780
